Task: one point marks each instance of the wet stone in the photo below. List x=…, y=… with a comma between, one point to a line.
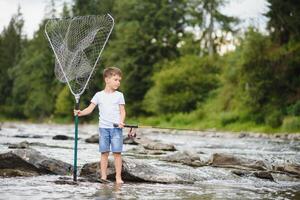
x=62, y=137
x=21, y=145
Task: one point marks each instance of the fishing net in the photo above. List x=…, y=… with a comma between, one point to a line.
x=77, y=44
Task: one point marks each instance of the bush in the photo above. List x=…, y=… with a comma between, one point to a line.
x=228, y=118
x=291, y=124
x=64, y=103
x=181, y=85
x=274, y=119
x=294, y=109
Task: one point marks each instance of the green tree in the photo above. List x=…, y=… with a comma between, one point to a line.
x=269, y=77
x=284, y=23
x=11, y=44
x=213, y=25
x=146, y=32
x=35, y=89
x=93, y=7
x=182, y=85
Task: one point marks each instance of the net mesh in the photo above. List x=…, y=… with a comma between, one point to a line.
x=77, y=44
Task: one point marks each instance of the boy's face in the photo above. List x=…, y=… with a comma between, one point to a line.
x=113, y=81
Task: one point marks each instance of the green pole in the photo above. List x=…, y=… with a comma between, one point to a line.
x=76, y=140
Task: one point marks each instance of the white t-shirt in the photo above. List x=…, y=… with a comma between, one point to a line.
x=109, y=107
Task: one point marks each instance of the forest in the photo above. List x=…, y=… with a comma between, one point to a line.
x=178, y=71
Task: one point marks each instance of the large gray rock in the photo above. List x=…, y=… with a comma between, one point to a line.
x=93, y=169
x=153, y=144
x=258, y=174
x=31, y=161
x=93, y=139
x=130, y=140
x=141, y=150
x=231, y=161
x=185, y=157
x=137, y=171
x=290, y=168
x=21, y=145
x=159, y=146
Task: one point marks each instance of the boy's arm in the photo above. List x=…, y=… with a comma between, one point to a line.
x=123, y=115
x=86, y=111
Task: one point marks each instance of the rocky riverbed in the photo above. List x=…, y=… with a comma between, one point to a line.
x=36, y=163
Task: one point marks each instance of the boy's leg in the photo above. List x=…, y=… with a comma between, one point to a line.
x=117, y=147
x=103, y=164
x=118, y=166
x=104, y=147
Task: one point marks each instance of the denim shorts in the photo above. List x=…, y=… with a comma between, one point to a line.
x=110, y=138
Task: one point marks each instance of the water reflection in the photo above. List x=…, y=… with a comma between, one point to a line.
x=108, y=191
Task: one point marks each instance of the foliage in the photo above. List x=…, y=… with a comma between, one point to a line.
x=64, y=103
x=181, y=85
x=168, y=78
x=11, y=44
x=146, y=32
x=34, y=81
x=284, y=23
x=291, y=124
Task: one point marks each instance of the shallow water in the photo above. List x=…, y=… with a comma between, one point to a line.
x=216, y=183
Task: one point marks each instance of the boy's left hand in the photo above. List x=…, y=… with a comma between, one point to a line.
x=121, y=125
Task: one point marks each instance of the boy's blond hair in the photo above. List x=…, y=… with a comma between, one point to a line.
x=111, y=71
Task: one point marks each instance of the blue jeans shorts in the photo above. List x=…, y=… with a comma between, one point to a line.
x=110, y=137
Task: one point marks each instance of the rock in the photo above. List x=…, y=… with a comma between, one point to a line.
x=264, y=175
x=185, y=157
x=93, y=170
x=22, y=136
x=241, y=172
x=27, y=136
x=21, y=145
x=293, y=136
x=290, y=168
x=150, y=144
x=242, y=135
x=89, y=169
x=39, y=144
x=138, y=150
x=129, y=140
x=141, y=150
x=16, y=172
x=159, y=146
x=137, y=171
x=93, y=139
x=31, y=161
x=62, y=137
x=226, y=160
x=257, y=174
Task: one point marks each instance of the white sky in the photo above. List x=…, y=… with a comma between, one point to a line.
x=250, y=11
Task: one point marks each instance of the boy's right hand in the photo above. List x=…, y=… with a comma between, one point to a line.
x=77, y=112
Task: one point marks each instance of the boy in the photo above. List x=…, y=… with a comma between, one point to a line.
x=111, y=106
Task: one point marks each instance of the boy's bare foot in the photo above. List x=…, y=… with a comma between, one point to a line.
x=119, y=181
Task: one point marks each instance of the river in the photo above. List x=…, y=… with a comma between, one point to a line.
x=216, y=183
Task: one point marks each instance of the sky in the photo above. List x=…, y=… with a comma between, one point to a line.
x=249, y=11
